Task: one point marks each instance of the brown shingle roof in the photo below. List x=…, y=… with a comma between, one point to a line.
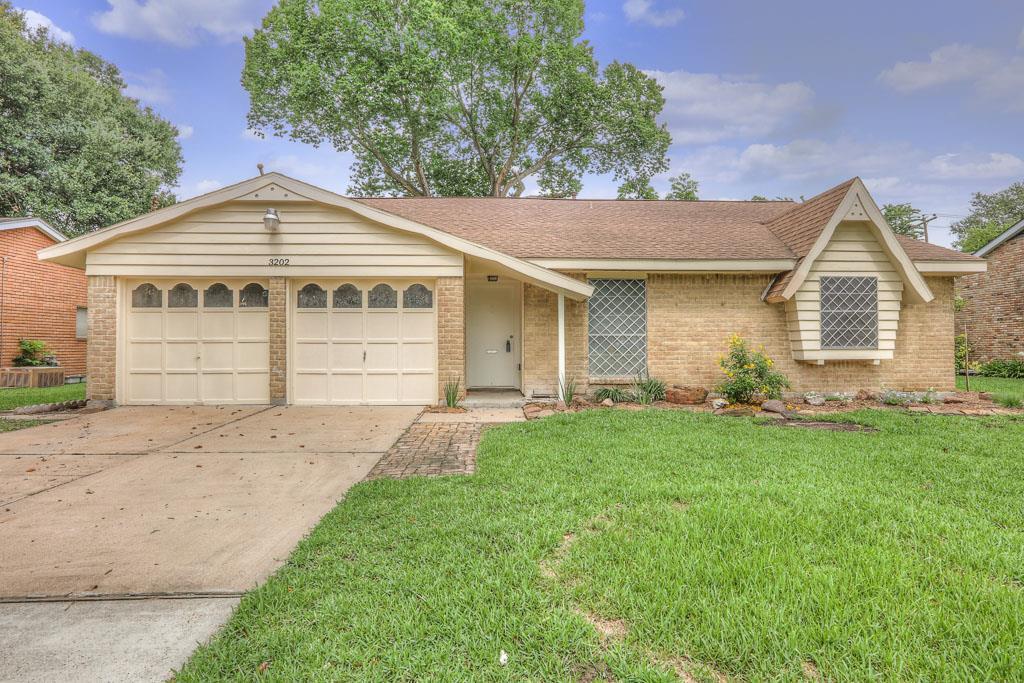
x=602, y=228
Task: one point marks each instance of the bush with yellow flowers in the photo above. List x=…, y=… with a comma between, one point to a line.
x=749, y=374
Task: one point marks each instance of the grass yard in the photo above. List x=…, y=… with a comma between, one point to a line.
x=656, y=545
x=998, y=386
x=14, y=425
x=13, y=398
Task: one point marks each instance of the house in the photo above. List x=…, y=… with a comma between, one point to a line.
x=40, y=300
x=993, y=314
x=274, y=290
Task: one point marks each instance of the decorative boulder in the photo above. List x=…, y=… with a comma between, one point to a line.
x=719, y=403
x=690, y=396
x=814, y=399
x=608, y=403
x=774, y=406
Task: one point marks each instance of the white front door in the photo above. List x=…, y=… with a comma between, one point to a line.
x=492, y=312
x=363, y=341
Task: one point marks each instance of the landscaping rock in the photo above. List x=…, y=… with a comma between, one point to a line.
x=864, y=395
x=953, y=398
x=719, y=403
x=773, y=406
x=773, y=416
x=560, y=406
x=686, y=395
x=735, y=412
x=608, y=403
x=812, y=398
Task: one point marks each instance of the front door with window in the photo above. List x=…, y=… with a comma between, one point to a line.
x=492, y=314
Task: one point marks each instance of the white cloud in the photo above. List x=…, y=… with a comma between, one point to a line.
x=962, y=167
x=185, y=131
x=179, y=22
x=35, y=20
x=644, y=12
x=948, y=64
x=149, y=87
x=708, y=108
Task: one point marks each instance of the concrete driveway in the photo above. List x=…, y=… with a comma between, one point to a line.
x=182, y=502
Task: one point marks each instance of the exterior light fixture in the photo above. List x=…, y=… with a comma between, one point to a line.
x=271, y=220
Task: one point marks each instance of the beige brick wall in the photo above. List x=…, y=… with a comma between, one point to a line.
x=278, y=343
x=451, y=332
x=101, y=352
x=690, y=317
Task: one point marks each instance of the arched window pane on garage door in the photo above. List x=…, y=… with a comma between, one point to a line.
x=218, y=295
x=348, y=296
x=383, y=296
x=312, y=296
x=147, y=296
x=182, y=296
x=617, y=339
x=253, y=295
x=417, y=296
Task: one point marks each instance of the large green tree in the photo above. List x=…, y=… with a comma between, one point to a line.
x=904, y=219
x=74, y=150
x=991, y=214
x=454, y=97
x=683, y=187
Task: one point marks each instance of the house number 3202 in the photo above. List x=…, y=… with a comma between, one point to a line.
x=277, y=262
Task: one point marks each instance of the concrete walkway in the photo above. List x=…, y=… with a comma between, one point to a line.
x=159, y=501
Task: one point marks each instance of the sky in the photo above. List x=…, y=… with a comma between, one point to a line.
x=924, y=100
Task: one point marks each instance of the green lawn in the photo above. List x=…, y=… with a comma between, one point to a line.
x=638, y=546
x=13, y=425
x=998, y=386
x=12, y=398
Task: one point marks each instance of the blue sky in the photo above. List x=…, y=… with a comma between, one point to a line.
x=924, y=100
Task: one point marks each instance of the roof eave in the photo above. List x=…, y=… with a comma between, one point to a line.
x=1006, y=236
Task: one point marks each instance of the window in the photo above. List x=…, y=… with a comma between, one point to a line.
x=849, y=313
x=82, y=322
x=182, y=296
x=383, y=296
x=147, y=296
x=617, y=339
x=348, y=296
x=218, y=295
x=417, y=296
x=312, y=296
x=253, y=295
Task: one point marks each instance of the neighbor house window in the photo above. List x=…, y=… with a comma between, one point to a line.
x=849, y=313
x=617, y=314
x=82, y=322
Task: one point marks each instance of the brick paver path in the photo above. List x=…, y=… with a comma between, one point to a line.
x=430, y=450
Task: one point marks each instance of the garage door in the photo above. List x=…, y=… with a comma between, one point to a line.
x=357, y=341
x=196, y=341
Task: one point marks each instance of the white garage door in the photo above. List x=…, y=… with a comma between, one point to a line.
x=196, y=341
x=357, y=341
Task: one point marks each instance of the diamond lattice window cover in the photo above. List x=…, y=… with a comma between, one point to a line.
x=849, y=313
x=617, y=314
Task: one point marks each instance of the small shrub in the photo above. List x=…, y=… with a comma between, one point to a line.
x=1011, y=368
x=647, y=390
x=32, y=352
x=614, y=393
x=896, y=398
x=962, y=353
x=929, y=397
x=1008, y=400
x=568, y=387
x=452, y=392
x=749, y=373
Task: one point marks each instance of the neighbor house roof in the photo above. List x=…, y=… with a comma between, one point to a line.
x=1006, y=236
x=29, y=222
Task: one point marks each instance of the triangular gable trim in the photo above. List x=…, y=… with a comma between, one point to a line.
x=279, y=187
x=858, y=202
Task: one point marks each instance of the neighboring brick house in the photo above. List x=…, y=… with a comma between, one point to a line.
x=40, y=300
x=993, y=314
x=277, y=291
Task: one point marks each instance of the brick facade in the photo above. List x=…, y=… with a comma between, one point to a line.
x=40, y=300
x=451, y=332
x=277, y=315
x=690, y=317
x=101, y=359
x=994, y=310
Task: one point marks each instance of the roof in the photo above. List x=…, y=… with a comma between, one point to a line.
x=602, y=228
x=1007, y=235
x=29, y=222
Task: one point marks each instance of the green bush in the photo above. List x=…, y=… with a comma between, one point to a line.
x=614, y=393
x=647, y=390
x=1008, y=400
x=1010, y=368
x=568, y=389
x=962, y=353
x=32, y=352
x=452, y=396
x=749, y=373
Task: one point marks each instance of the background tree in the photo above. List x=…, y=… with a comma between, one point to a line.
x=684, y=187
x=904, y=219
x=991, y=214
x=73, y=149
x=454, y=98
